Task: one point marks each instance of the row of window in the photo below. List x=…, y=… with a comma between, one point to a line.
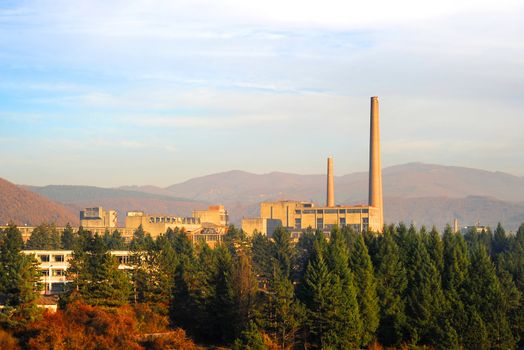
x=156, y=220
x=57, y=272
x=341, y=223
x=331, y=211
x=48, y=258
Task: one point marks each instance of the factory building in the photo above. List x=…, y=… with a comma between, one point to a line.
x=298, y=215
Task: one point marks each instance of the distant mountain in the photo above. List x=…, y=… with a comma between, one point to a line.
x=423, y=193
x=79, y=197
x=23, y=207
x=440, y=211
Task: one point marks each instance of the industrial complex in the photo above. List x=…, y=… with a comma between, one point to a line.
x=298, y=215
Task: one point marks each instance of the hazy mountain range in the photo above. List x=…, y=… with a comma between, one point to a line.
x=415, y=192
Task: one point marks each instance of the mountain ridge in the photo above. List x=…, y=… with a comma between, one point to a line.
x=428, y=185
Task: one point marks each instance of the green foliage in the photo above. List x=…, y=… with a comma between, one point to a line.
x=18, y=281
x=250, y=339
x=345, y=291
x=391, y=288
x=67, y=240
x=95, y=275
x=44, y=236
x=368, y=302
x=486, y=298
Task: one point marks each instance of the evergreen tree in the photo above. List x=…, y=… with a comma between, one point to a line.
x=426, y=304
x=95, y=276
x=68, y=237
x=282, y=250
x=19, y=279
x=366, y=290
x=348, y=323
x=454, y=277
x=318, y=294
x=323, y=295
x=45, y=237
x=222, y=302
x=485, y=295
x=500, y=241
x=263, y=255
x=436, y=248
x=284, y=313
x=391, y=288
x=250, y=339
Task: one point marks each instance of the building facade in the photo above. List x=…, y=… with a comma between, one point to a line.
x=53, y=266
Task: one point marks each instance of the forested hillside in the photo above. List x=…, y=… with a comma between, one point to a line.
x=23, y=207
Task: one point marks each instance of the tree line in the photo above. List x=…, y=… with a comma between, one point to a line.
x=407, y=287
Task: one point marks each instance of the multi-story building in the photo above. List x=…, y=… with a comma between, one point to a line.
x=97, y=217
x=53, y=265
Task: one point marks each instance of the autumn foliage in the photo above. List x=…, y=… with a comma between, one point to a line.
x=81, y=326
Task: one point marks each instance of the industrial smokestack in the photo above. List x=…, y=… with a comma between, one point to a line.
x=330, y=198
x=375, y=168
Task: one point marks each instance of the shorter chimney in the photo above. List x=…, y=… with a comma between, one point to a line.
x=330, y=201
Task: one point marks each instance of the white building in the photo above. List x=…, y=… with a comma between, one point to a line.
x=53, y=265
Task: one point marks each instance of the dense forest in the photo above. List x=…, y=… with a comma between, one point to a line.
x=406, y=288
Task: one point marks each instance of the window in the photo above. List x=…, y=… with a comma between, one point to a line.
x=123, y=259
x=342, y=211
x=44, y=272
x=57, y=287
x=331, y=211
x=320, y=211
x=297, y=211
x=308, y=211
x=44, y=258
x=320, y=223
x=298, y=223
x=59, y=258
x=342, y=222
x=354, y=211
x=58, y=273
x=365, y=211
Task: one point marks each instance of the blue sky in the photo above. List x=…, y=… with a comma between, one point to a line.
x=155, y=92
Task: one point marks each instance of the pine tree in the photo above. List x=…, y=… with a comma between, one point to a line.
x=362, y=268
x=95, y=276
x=318, y=296
x=500, y=241
x=223, y=301
x=284, y=313
x=282, y=250
x=436, y=248
x=68, y=237
x=426, y=304
x=19, y=279
x=348, y=323
x=486, y=296
x=391, y=288
x=454, y=277
x=44, y=237
x=263, y=253
x=250, y=339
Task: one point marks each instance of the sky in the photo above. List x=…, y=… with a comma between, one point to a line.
x=112, y=93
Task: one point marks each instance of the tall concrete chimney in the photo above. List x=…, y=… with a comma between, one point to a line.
x=330, y=197
x=375, y=167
